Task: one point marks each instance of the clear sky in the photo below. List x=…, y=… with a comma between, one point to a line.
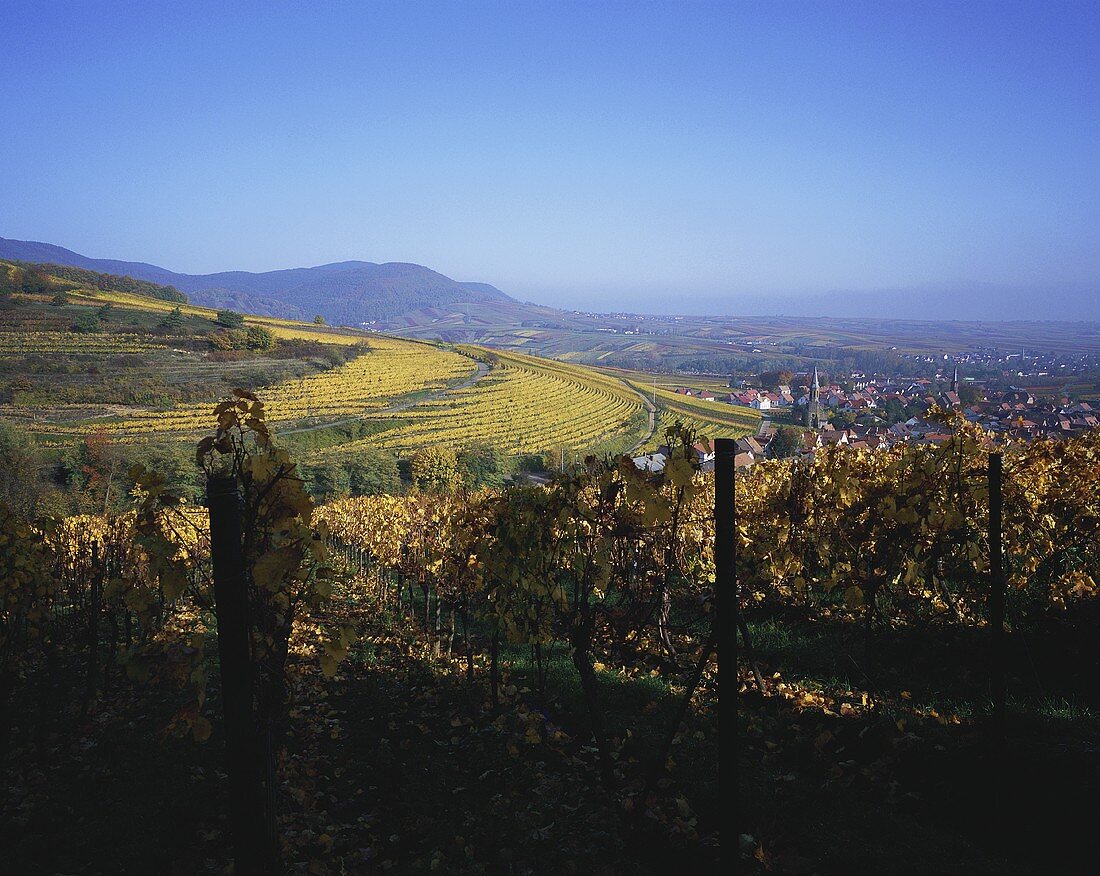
x=607, y=154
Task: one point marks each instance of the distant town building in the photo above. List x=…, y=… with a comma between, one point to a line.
x=813, y=408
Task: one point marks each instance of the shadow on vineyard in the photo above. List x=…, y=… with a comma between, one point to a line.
x=525, y=680
x=877, y=755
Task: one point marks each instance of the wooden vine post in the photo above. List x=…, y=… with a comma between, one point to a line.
x=996, y=595
x=725, y=599
x=231, y=608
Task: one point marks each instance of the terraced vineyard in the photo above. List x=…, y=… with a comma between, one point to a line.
x=19, y=344
x=523, y=404
x=713, y=419
x=391, y=369
x=704, y=428
x=281, y=328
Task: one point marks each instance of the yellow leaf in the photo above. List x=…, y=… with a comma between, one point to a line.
x=173, y=581
x=201, y=729
x=269, y=570
x=679, y=471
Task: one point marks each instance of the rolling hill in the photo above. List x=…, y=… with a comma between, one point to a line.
x=416, y=302
x=345, y=293
x=148, y=370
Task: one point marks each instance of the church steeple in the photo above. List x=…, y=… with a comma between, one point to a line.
x=813, y=409
x=955, y=379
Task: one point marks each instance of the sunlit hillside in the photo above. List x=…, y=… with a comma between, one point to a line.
x=134, y=368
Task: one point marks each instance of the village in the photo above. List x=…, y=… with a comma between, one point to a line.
x=874, y=412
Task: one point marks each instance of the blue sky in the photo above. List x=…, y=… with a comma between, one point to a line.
x=602, y=154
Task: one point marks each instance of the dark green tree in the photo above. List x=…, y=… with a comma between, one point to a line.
x=785, y=443
x=374, y=472
x=36, y=282
x=20, y=481
x=87, y=323
x=259, y=338
x=172, y=324
x=970, y=393
x=174, y=462
x=327, y=481
x=894, y=411
x=230, y=319
x=11, y=279
x=482, y=465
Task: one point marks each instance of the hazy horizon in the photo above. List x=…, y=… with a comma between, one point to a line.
x=601, y=156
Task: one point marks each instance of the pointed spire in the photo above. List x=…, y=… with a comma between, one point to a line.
x=813, y=409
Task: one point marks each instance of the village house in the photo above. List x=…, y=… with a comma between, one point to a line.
x=1014, y=413
x=651, y=462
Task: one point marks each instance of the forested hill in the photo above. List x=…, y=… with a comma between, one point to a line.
x=346, y=293
x=31, y=277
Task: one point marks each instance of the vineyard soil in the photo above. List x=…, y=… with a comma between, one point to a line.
x=920, y=783
x=398, y=762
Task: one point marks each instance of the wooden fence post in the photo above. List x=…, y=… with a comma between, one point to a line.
x=725, y=597
x=996, y=595
x=96, y=584
x=231, y=608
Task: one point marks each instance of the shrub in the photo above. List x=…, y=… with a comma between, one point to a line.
x=435, y=469
x=482, y=465
x=230, y=318
x=258, y=338
x=374, y=472
x=87, y=323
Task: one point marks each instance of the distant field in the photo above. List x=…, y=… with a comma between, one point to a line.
x=644, y=380
x=666, y=343
x=283, y=328
x=711, y=419
x=704, y=428
x=20, y=344
x=714, y=419
x=716, y=411
x=1086, y=390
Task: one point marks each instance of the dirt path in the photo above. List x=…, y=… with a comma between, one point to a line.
x=652, y=417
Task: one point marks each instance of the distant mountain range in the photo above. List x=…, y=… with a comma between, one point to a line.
x=344, y=293
x=412, y=299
